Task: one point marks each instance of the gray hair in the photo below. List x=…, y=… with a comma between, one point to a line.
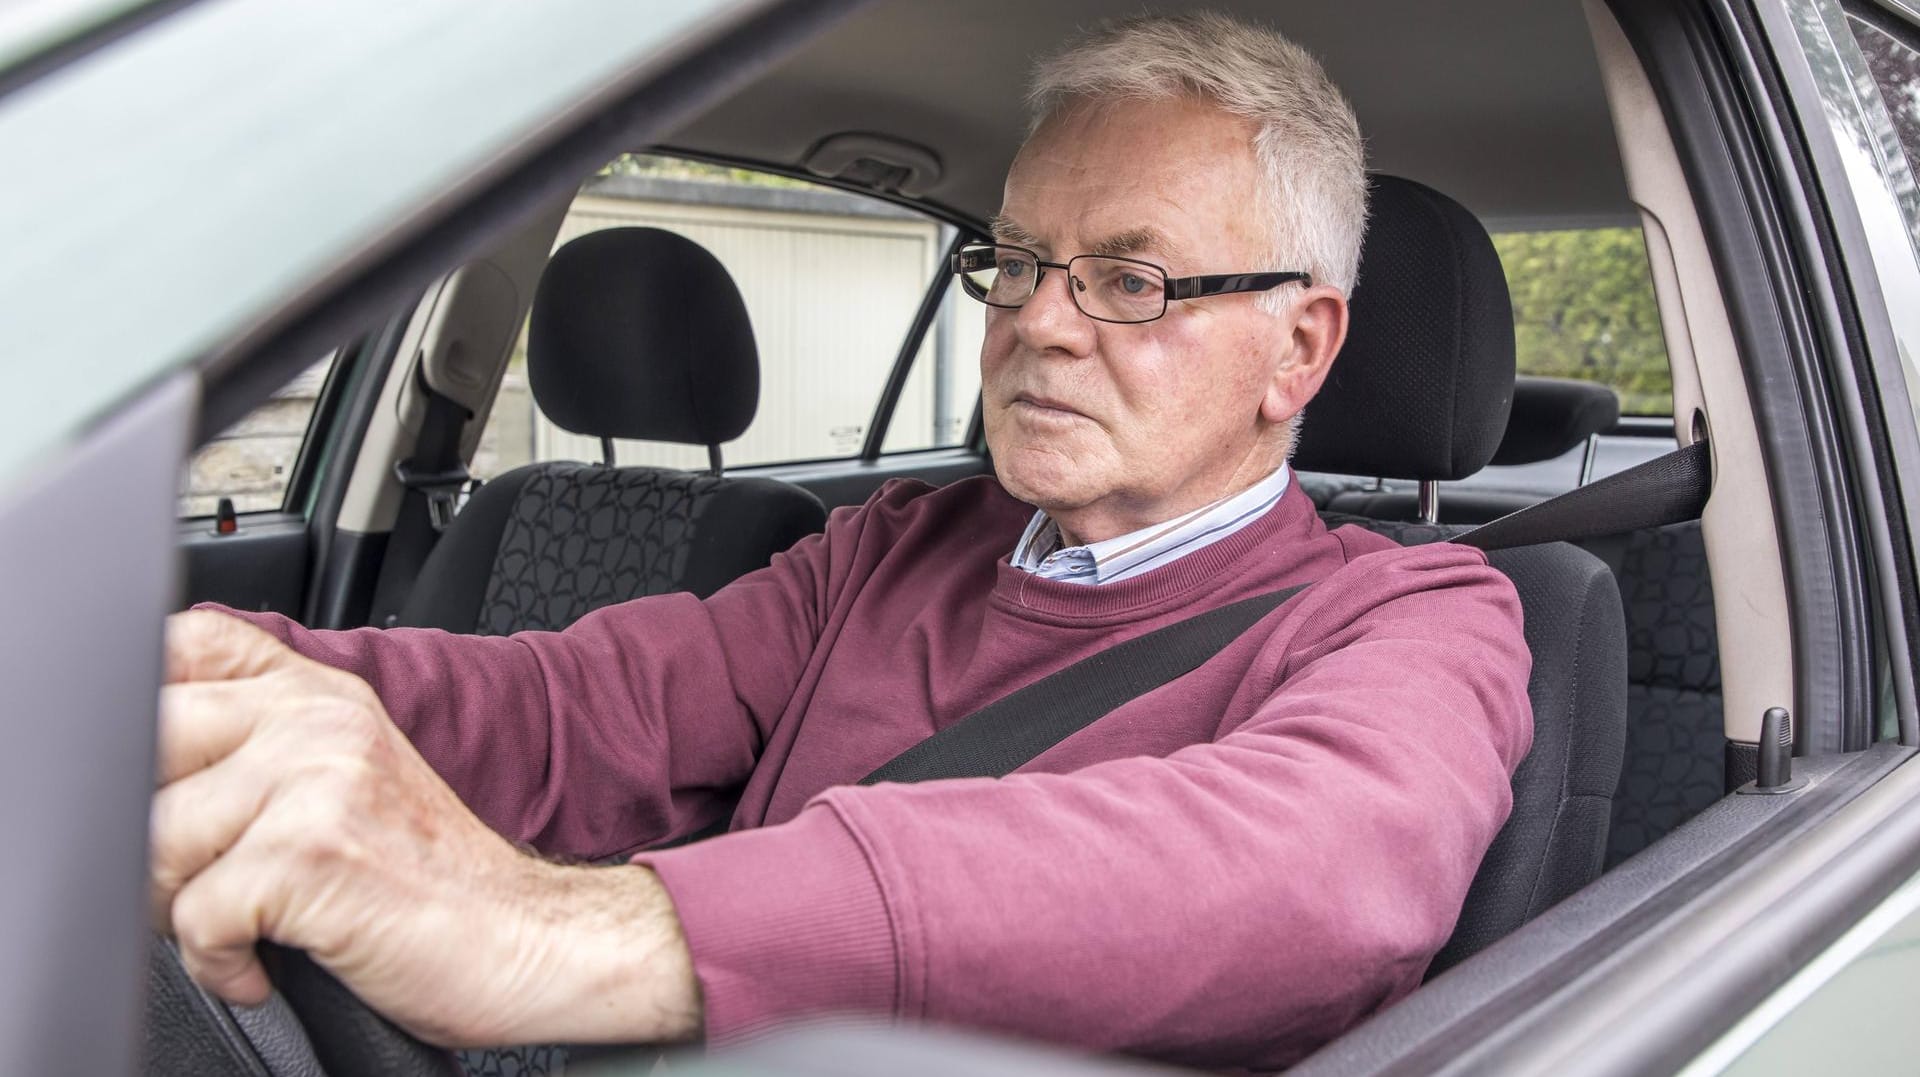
x=1307, y=145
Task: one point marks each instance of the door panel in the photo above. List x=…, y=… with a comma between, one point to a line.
x=81, y=666
x=262, y=566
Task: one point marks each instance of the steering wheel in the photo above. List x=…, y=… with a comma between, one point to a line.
x=349, y=1036
x=190, y=1031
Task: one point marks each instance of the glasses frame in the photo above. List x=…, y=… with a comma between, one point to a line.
x=1176, y=287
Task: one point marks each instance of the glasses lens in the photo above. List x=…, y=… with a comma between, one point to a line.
x=1116, y=290
x=1001, y=276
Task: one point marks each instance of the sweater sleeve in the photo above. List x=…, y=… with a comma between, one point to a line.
x=630, y=727
x=1234, y=903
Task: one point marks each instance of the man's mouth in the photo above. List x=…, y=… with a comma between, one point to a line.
x=1047, y=404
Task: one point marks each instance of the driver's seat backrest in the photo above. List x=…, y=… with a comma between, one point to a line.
x=1421, y=391
x=636, y=333
x=1555, y=842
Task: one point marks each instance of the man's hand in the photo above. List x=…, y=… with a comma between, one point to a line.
x=291, y=808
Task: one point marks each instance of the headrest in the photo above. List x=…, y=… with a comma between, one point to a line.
x=1422, y=387
x=640, y=333
x=1553, y=415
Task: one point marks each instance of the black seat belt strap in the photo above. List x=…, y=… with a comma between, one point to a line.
x=1668, y=489
x=433, y=476
x=1004, y=735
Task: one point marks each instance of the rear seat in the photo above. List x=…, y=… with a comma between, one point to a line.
x=1675, y=754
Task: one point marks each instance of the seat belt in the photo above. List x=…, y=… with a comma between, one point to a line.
x=1668, y=489
x=1007, y=734
x=1004, y=735
x=433, y=476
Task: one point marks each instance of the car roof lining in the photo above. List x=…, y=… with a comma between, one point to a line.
x=1453, y=98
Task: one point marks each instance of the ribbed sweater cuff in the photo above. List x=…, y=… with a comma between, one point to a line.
x=784, y=922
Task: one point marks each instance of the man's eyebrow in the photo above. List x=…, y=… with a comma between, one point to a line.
x=1133, y=241
x=1008, y=230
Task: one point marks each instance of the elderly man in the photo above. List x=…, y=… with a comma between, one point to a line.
x=1227, y=870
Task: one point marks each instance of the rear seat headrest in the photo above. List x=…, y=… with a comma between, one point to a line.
x=1552, y=416
x=640, y=333
x=1422, y=387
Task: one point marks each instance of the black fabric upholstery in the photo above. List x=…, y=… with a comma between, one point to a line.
x=1556, y=839
x=546, y=544
x=1422, y=387
x=640, y=333
x=1675, y=757
x=1552, y=416
x=452, y=586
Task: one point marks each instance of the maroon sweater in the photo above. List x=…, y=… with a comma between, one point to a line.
x=1229, y=870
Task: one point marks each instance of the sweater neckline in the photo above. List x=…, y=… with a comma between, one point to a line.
x=1286, y=531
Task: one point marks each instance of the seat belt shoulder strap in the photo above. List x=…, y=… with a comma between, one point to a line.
x=1004, y=735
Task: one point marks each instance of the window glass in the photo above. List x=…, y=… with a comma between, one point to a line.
x=252, y=460
x=1896, y=68
x=936, y=403
x=831, y=282
x=1583, y=307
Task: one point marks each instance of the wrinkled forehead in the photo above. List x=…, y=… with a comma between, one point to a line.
x=1177, y=178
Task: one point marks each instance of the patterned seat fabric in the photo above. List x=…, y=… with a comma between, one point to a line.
x=544, y=545
x=1675, y=763
x=1676, y=749
x=581, y=537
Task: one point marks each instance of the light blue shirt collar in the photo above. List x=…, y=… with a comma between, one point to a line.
x=1128, y=555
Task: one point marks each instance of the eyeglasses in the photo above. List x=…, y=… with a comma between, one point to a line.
x=1105, y=288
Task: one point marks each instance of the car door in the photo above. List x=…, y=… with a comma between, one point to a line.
x=150, y=314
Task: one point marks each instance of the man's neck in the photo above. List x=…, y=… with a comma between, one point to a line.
x=1095, y=523
x=1100, y=521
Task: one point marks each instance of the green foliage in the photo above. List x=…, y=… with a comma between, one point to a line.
x=1583, y=308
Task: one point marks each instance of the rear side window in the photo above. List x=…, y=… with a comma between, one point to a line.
x=831, y=282
x=1583, y=307
x=253, y=460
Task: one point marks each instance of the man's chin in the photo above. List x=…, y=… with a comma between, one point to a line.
x=1051, y=493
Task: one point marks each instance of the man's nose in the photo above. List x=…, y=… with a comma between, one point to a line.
x=1049, y=318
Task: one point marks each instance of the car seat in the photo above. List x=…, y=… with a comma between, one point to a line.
x=1549, y=418
x=636, y=333
x=1421, y=391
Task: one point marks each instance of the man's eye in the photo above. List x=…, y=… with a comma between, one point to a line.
x=1013, y=267
x=1132, y=285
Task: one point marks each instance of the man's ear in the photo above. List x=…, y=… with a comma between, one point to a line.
x=1319, y=328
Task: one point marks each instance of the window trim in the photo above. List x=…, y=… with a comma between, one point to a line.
x=896, y=383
